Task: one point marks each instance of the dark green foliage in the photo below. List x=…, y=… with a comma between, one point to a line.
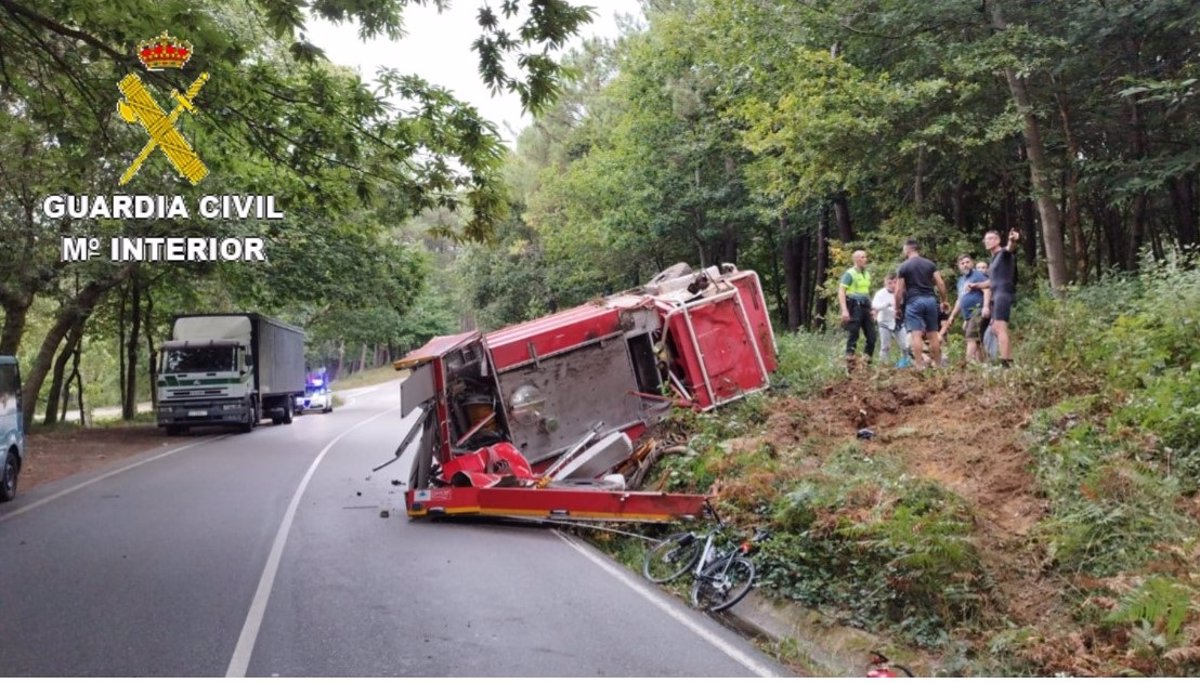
x=808, y=360
x=880, y=547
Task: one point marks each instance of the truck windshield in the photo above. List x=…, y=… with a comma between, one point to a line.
x=203, y=359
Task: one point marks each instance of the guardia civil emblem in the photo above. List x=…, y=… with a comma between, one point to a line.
x=139, y=107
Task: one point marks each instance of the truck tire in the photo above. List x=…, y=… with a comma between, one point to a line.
x=8, y=477
x=287, y=410
x=251, y=420
x=176, y=430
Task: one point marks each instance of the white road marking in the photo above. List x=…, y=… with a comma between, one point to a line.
x=688, y=621
x=20, y=511
x=240, y=661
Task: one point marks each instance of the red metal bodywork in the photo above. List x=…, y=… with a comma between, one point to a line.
x=516, y=345
x=549, y=503
x=533, y=389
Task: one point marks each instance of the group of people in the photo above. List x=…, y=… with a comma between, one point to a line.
x=913, y=309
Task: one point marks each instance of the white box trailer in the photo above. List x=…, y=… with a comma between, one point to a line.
x=229, y=369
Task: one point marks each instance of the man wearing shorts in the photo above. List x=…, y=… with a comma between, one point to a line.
x=1000, y=289
x=921, y=293
x=970, y=303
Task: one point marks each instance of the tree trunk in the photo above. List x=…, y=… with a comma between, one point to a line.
x=83, y=417
x=1116, y=238
x=1052, y=235
x=1183, y=198
x=151, y=356
x=1137, y=231
x=129, y=407
x=777, y=278
x=16, y=312
x=79, y=308
x=841, y=210
x=791, y=274
x=121, y=301
x=1141, y=203
x=1156, y=243
x=1071, y=183
x=959, y=203
x=362, y=358
x=806, y=280
x=1029, y=228
x=55, y=394
x=822, y=266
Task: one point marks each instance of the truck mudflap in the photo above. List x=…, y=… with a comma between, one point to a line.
x=574, y=503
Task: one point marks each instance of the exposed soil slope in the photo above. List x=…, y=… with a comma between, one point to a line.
x=962, y=429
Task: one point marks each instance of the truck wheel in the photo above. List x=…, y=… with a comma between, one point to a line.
x=8, y=479
x=251, y=420
x=287, y=411
x=176, y=430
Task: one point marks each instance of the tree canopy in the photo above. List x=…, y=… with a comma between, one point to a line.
x=347, y=160
x=782, y=133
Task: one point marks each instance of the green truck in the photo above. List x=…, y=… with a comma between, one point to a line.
x=229, y=369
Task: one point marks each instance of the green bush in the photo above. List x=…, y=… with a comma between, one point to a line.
x=1117, y=515
x=809, y=361
x=886, y=548
x=1114, y=462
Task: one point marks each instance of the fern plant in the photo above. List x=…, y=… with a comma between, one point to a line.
x=1157, y=610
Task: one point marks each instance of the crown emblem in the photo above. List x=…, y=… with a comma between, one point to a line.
x=164, y=52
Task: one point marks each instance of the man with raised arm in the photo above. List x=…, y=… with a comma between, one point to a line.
x=1000, y=289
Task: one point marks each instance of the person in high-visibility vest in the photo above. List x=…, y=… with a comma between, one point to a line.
x=854, y=297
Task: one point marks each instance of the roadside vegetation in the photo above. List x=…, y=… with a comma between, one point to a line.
x=1037, y=520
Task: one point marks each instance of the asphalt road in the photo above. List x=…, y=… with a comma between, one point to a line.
x=266, y=554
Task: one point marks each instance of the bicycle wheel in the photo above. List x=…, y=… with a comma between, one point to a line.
x=671, y=558
x=724, y=590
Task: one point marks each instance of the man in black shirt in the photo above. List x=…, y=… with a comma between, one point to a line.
x=917, y=297
x=1000, y=290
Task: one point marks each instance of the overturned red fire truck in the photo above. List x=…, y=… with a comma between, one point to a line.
x=532, y=419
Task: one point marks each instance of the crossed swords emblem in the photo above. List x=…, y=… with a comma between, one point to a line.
x=140, y=107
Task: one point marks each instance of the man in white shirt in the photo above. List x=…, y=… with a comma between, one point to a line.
x=883, y=305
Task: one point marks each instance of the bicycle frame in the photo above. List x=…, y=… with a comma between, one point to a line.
x=706, y=568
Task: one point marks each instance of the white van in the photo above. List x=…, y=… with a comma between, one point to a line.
x=12, y=432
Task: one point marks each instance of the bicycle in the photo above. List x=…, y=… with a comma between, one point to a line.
x=720, y=577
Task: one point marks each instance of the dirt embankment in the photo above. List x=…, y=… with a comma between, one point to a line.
x=963, y=430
